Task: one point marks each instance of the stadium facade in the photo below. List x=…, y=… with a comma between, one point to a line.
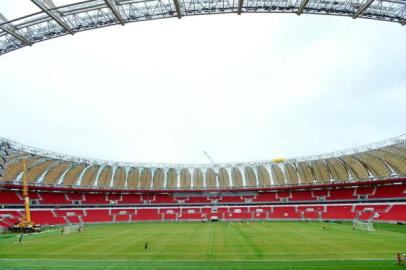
x=366, y=183
x=51, y=21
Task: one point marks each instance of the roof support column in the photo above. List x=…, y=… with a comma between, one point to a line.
x=230, y=181
x=204, y=171
x=244, y=180
x=191, y=170
x=177, y=7
x=79, y=182
x=240, y=4
x=178, y=185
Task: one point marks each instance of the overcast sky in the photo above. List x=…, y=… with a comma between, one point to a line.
x=248, y=87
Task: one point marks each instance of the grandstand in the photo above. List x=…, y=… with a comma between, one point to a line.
x=366, y=183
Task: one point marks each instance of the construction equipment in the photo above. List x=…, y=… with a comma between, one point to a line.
x=209, y=157
x=25, y=225
x=278, y=160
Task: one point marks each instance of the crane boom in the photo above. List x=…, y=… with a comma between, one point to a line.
x=25, y=225
x=25, y=195
x=209, y=157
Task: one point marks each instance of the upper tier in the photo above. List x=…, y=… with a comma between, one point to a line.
x=385, y=159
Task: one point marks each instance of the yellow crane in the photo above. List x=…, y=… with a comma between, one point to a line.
x=25, y=225
x=278, y=160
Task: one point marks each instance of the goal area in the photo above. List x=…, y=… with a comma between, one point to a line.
x=363, y=225
x=71, y=229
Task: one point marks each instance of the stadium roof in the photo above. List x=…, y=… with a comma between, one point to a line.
x=381, y=160
x=51, y=21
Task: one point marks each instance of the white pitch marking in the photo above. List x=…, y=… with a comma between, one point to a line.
x=277, y=260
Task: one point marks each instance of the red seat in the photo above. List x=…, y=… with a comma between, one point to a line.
x=301, y=196
x=284, y=212
x=147, y=214
x=122, y=218
x=395, y=191
x=198, y=200
x=10, y=197
x=53, y=198
x=342, y=194
x=130, y=199
x=191, y=216
x=97, y=215
x=226, y=199
x=232, y=215
x=163, y=198
x=95, y=199
x=364, y=190
x=266, y=197
x=46, y=217
x=395, y=213
x=339, y=212
x=74, y=196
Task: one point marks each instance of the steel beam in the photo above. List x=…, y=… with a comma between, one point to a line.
x=362, y=8
x=50, y=13
x=302, y=6
x=114, y=10
x=16, y=35
x=240, y=4
x=177, y=7
x=10, y=29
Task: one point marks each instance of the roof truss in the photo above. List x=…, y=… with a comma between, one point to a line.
x=113, y=8
x=10, y=29
x=47, y=6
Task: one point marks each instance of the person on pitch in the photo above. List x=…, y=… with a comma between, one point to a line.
x=398, y=258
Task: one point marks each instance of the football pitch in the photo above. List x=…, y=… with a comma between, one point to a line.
x=254, y=245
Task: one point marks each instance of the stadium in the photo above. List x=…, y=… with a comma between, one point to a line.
x=344, y=209
x=365, y=183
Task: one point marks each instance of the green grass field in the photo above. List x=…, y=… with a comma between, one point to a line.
x=269, y=245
